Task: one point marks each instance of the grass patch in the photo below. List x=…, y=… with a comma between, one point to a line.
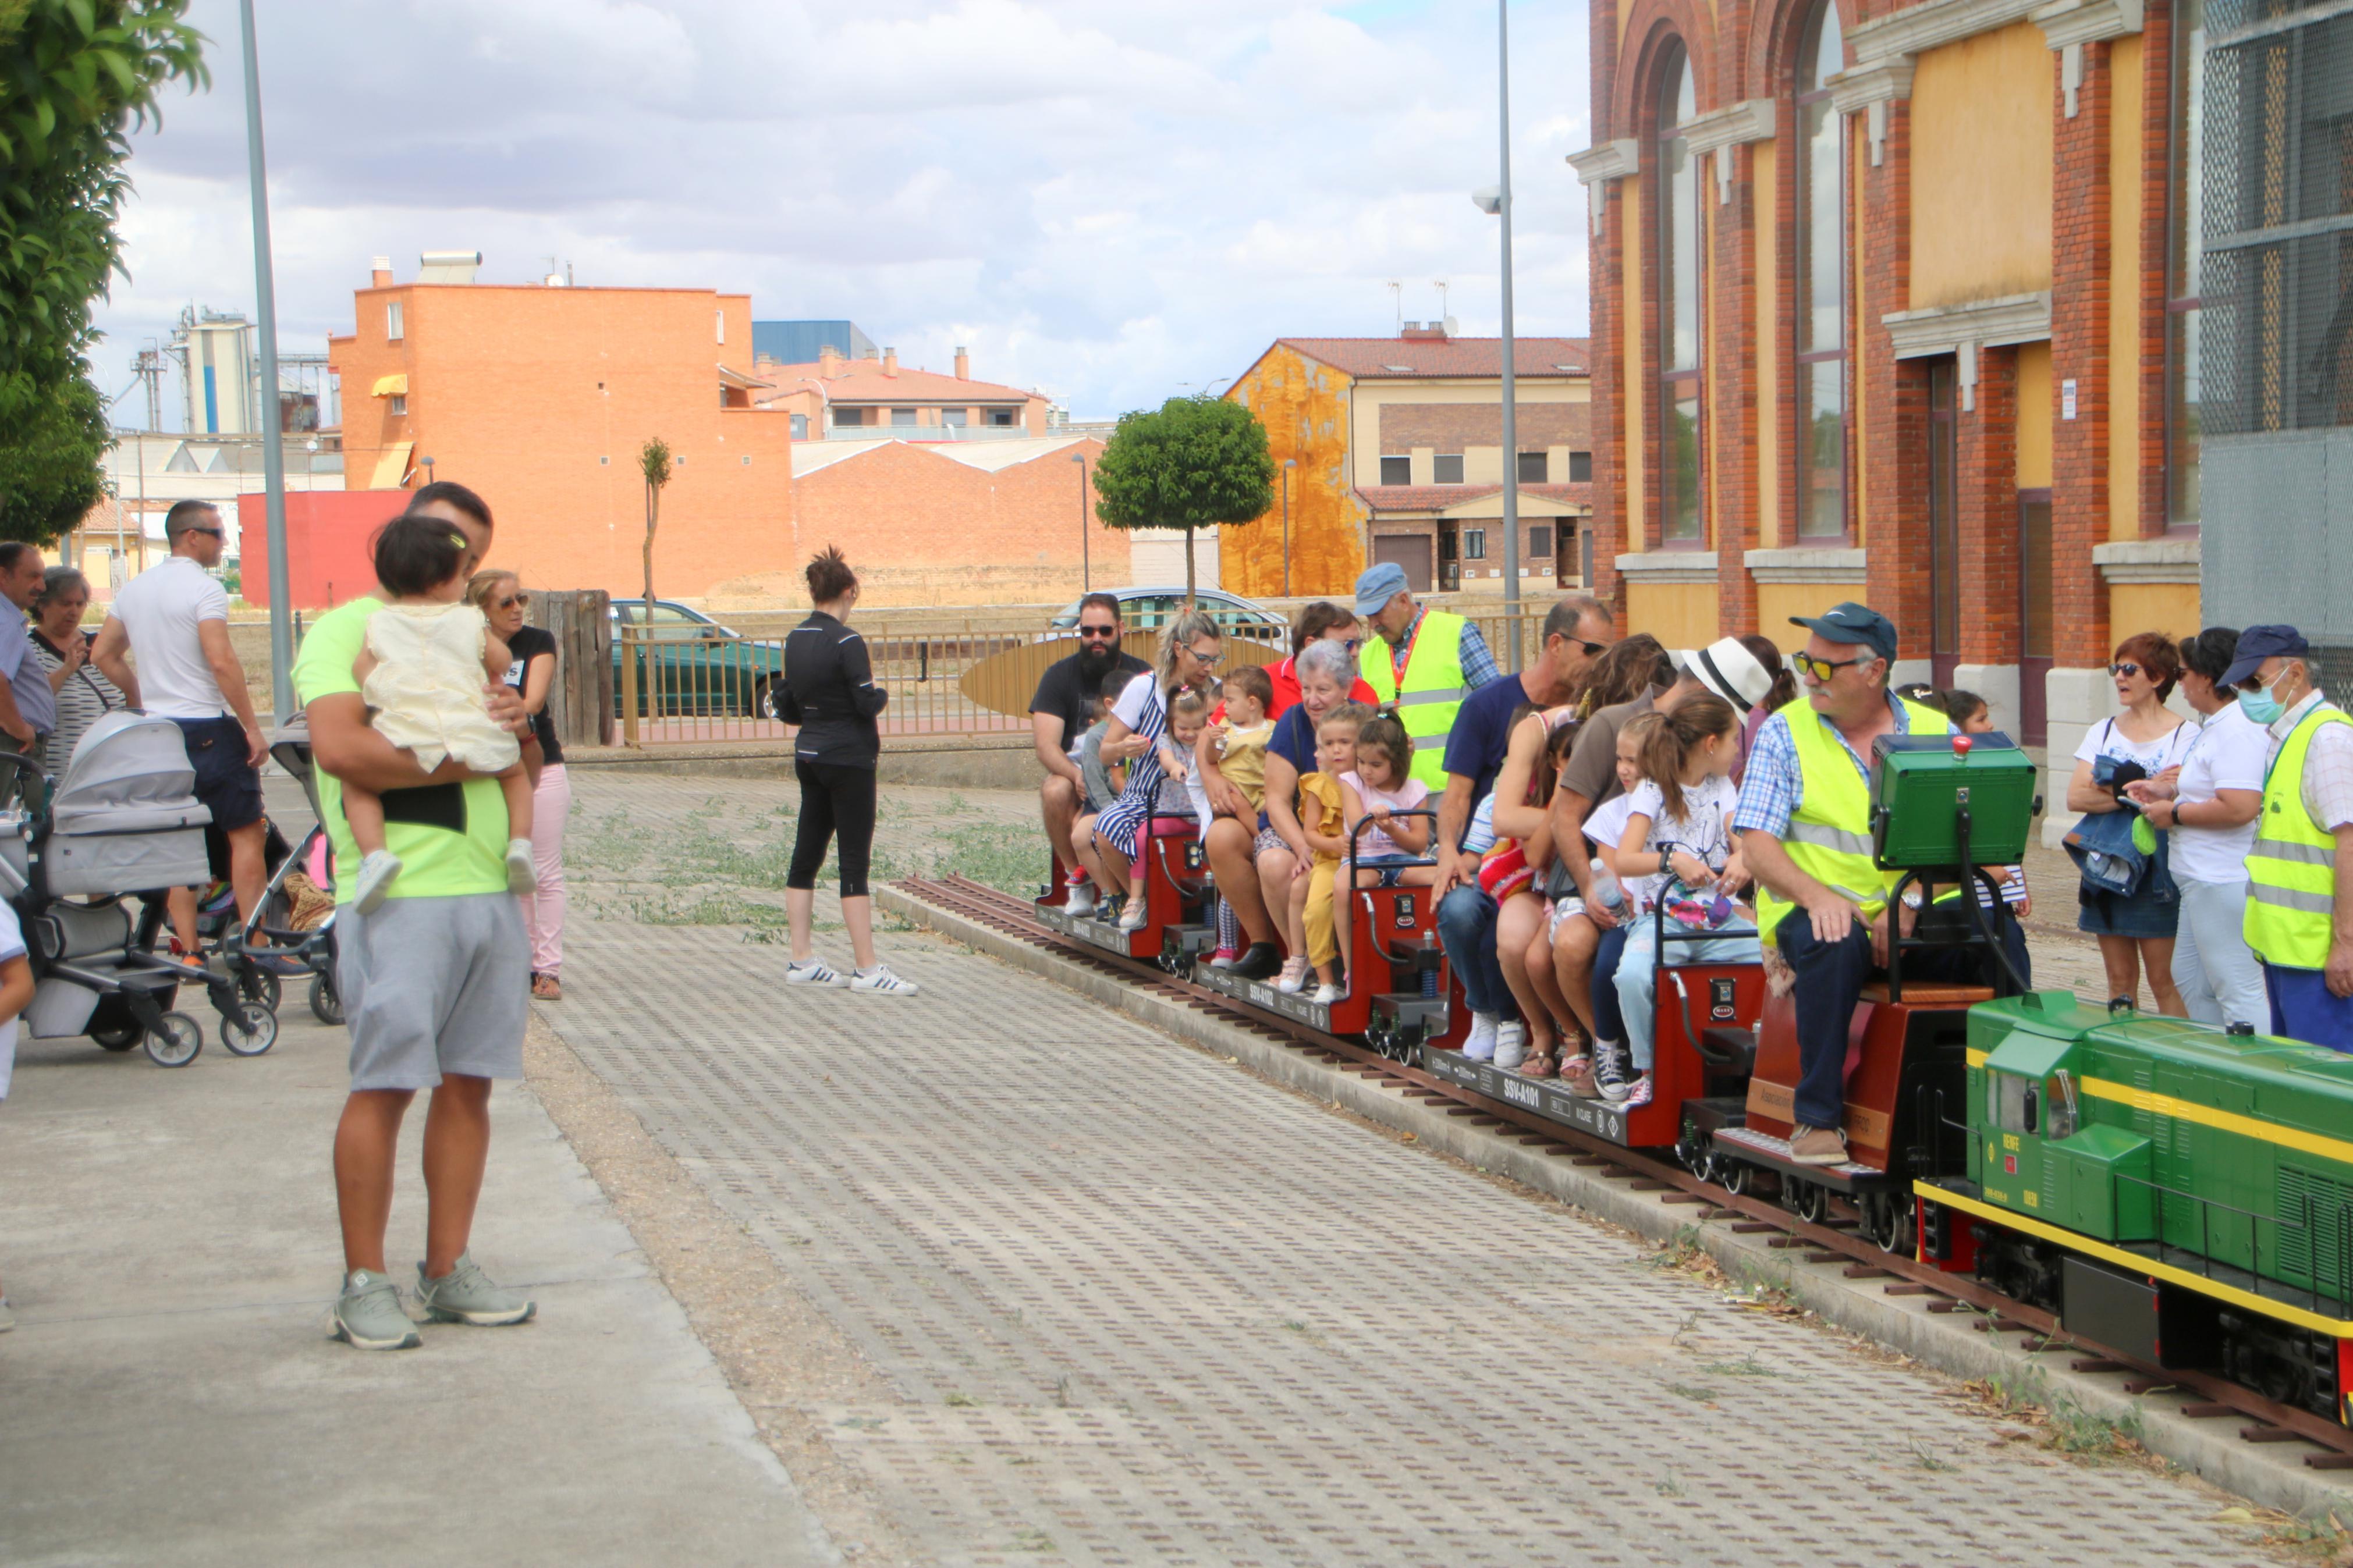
x=1698, y=1392
x=1746, y=1367
x=709, y=909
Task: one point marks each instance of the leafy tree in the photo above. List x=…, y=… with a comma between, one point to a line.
x=76, y=76
x=653, y=461
x=1192, y=463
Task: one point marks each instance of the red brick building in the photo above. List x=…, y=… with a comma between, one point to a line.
x=1888, y=304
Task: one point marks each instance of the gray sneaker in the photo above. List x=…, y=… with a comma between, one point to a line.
x=465, y=1295
x=368, y=1315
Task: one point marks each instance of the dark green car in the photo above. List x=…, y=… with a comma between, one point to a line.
x=699, y=667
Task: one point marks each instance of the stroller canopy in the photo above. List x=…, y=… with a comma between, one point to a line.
x=127, y=765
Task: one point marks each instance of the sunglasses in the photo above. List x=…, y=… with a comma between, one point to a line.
x=513, y=600
x=1820, y=668
x=210, y=533
x=1352, y=644
x=1099, y=631
x=2125, y=670
x=1592, y=650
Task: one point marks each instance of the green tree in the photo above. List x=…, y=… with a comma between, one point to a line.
x=76, y=76
x=1192, y=463
x=653, y=461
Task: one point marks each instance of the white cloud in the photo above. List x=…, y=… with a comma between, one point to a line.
x=1113, y=202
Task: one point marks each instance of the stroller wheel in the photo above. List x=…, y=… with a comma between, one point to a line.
x=259, y=985
x=175, y=1044
x=120, y=1039
x=250, y=1030
x=325, y=1004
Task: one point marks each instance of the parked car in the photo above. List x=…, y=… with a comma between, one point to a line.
x=699, y=666
x=1148, y=609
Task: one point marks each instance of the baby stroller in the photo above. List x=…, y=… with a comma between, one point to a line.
x=122, y=824
x=312, y=947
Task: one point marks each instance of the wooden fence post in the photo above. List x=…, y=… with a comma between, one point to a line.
x=582, y=701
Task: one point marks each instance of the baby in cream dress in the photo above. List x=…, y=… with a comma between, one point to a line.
x=428, y=656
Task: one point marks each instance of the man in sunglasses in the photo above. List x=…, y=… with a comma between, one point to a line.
x=172, y=621
x=1057, y=717
x=1804, y=818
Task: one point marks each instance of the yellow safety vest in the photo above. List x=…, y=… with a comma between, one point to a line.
x=1830, y=833
x=1432, y=693
x=2291, y=870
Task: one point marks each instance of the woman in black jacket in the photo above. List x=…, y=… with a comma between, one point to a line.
x=830, y=693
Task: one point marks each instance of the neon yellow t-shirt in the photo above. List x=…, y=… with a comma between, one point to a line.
x=451, y=838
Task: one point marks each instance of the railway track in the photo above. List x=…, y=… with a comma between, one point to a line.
x=1835, y=1239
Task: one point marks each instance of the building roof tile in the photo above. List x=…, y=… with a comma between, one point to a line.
x=1395, y=359
x=1436, y=498
x=863, y=380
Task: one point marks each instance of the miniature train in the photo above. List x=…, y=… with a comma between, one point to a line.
x=2178, y=1195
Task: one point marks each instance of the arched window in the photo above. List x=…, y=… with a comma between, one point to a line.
x=1821, y=282
x=1675, y=198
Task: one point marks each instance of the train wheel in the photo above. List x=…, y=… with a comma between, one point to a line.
x=1737, y=1176
x=1691, y=1148
x=1887, y=1219
x=1809, y=1201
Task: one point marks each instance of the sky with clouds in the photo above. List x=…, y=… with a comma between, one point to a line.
x=1113, y=204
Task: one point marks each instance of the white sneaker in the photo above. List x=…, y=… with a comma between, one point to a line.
x=880, y=981
x=522, y=872
x=1293, y=978
x=1327, y=993
x=374, y=885
x=812, y=972
x=1511, y=1044
x=1478, y=1045
x=1080, y=900
x=1137, y=910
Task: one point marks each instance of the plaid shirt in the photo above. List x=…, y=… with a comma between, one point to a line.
x=1478, y=660
x=1774, y=787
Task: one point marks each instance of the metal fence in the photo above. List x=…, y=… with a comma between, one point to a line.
x=949, y=673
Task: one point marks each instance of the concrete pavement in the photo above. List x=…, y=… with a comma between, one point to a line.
x=170, y=1394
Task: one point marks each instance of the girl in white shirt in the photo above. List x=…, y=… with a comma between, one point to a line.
x=1679, y=842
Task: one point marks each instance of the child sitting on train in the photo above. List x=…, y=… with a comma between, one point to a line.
x=1678, y=839
x=1971, y=716
x=1383, y=786
x=1179, y=763
x=1324, y=799
x=1241, y=739
x=1605, y=825
x=1087, y=753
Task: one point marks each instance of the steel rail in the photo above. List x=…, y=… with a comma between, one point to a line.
x=1011, y=916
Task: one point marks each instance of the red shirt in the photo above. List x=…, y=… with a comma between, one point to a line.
x=1285, y=676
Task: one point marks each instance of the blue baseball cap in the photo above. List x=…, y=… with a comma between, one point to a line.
x=1377, y=587
x=1852, y=623
x=2257, y=644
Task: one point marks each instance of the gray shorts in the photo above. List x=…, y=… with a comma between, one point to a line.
x=432, y=987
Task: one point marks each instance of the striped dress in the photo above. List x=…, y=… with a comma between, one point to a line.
x=1123, y=826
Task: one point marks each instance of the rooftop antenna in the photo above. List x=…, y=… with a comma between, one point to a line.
x=1397, y=296
x=1439, y=284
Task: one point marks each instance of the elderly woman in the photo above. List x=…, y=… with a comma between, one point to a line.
x=2209, y=809
x=84, y=695
x=501, y=597
x=2136, y=930
x=1256, y=854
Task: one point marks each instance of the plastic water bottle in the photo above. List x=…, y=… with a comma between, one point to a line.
x=1428, y=963
x=1606, y=891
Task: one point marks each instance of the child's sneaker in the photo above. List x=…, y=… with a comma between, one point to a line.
x=1110, y=906
x=1327, y=993
x=1609, y=1076
x=1637, y=1093
x=1138, y=911
x=522, y=874
x=374, y=884
x=1478, y=1045
x=1293, y=978
x=1225, y=958
x=1080, y=902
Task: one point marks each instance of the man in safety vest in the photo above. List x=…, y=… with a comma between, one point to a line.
x=2300, y=872
x=1804, y=818
x=1425, y=661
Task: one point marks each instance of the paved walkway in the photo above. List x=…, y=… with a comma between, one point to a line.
x=170, y=1394
x=1117, y=1300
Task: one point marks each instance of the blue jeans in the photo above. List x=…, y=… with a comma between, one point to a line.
x=1830, y=978
x=2303, y=1009
x=1637, y=971
x=1466, y=928
x=1609, y=1023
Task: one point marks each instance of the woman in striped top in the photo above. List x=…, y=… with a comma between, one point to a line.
x=1189, y=650
x=84, y=696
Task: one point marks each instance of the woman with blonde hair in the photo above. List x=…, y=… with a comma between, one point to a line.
x=502, y=598
x=1190, y=647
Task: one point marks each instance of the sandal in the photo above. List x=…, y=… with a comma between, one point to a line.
x=1540, y=1064
x=1576, y=1076
x=546, y=988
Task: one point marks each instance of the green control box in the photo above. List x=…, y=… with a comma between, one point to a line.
x=1919, y=786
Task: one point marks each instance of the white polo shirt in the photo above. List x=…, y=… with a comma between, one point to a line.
x=161, y=609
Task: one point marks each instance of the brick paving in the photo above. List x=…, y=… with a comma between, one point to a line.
x=1136, y=1306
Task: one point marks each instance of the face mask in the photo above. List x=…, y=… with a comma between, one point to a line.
x=2260, y=706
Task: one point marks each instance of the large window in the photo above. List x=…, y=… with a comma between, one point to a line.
x=1536, y=467
x=1821, y=283
x=1397, y=471
x=2186, y=221
x=1676, y=201
x=1446, y=468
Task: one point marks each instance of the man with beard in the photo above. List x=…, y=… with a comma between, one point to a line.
x=1057, y=717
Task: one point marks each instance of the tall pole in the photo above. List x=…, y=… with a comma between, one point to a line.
x=1511, y=393
x=273, y=453
x=1086, y=568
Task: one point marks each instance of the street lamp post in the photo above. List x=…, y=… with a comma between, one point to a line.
x=1086, y=572
x=273, y=455
x=1288, y=464
x=1496, y=200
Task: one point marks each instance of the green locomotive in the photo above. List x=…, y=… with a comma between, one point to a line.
x=2179, y=1195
